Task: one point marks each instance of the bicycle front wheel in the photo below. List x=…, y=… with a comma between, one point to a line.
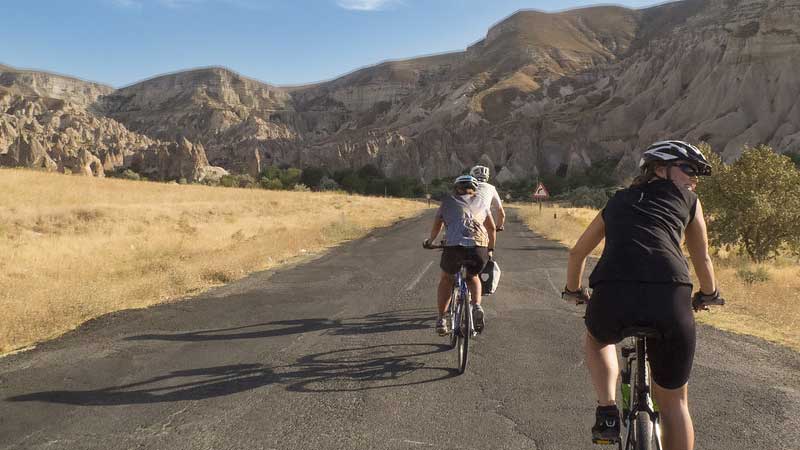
x=644, y=432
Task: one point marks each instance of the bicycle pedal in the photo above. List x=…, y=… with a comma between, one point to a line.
x=605, y=441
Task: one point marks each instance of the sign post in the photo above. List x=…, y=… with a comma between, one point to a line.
x=428, y=196
x=540, y=194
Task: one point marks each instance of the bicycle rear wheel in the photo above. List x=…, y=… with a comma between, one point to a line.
x=454, y=310
x=644, y=432
x=464, y=333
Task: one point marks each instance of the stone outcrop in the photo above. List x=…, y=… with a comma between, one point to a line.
x=542, y=93
x=171, y=161
x=58, y=135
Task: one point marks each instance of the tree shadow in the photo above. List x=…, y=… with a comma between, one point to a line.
x=390, y=321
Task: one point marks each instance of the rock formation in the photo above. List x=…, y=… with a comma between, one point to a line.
x=541, y=93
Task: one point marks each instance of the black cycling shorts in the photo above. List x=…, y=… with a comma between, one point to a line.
x=664, y=306
x=474, y=258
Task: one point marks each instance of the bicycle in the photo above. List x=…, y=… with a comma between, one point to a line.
x=640, y=414
x=459, y=315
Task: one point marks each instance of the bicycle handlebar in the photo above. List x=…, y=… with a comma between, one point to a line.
x=701, y=302
x=581, y=296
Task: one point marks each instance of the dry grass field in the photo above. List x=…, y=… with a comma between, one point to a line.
x=74, y=248
x=768, y=309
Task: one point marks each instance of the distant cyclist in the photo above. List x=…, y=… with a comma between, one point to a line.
x=489, y=193
x=469, y=240
x=642, y=279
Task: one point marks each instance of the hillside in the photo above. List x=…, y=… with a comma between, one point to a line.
x=540, y=93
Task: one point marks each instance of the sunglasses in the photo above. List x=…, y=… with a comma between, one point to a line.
x=688, y=169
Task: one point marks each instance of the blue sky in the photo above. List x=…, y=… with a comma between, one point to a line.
x=119, y=42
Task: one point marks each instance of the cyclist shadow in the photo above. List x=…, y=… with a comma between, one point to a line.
x=191, y=384
x=353, y=369
x=348, y=369
x=384, y=322
x=366, y=368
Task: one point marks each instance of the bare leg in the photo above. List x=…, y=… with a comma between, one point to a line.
x=445, y=290
x=475, y=289
x=603, y=368
x=676, y=423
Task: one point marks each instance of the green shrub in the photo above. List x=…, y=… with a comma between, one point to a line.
x=228, y=181
x=273, y=184
x=754, y=203
x=586, y=197
x=751, y=276
x=128, y=174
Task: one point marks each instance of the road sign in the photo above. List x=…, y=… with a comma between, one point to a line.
x=541, y=192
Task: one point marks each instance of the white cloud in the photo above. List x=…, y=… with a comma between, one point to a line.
x=366, y=5
x=131, y=4
x=176, y=4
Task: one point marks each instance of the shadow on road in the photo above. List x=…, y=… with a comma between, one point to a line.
x=537, y=247
x=365, y=368
x=192, y=384
x=340, y=370
x=400, y=320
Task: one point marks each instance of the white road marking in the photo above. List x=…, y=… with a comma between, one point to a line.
x=419, y=277
x=550, y=280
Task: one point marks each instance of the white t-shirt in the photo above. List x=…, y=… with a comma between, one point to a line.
x=489, y=194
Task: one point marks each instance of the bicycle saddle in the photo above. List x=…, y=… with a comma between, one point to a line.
x=645, y=332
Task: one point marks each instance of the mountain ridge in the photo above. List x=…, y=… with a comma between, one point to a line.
x=540, y=93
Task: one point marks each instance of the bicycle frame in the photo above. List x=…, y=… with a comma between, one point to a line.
x=461, y=321
x=639, y=397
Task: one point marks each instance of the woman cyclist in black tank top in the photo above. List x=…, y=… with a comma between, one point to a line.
x=642, y=278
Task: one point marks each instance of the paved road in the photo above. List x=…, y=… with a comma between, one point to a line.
x=340, y=353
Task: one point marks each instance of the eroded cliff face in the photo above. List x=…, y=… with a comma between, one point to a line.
x=59, y=133
x=541, y=93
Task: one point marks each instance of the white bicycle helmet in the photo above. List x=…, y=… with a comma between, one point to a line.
x=674, y=151
x=480, y=172
x=466, y=182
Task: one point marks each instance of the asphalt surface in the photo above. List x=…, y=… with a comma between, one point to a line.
x=340, y=353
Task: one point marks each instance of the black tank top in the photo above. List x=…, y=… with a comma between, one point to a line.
x=644, y=228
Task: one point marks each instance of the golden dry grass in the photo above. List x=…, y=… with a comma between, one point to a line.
x=559, y=224
x=74, y=248
x=769, y=310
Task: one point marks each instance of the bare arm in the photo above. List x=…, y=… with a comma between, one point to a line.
x=501, y=216
x=488, y=223
x=590, y=238
x=438, y=223
x=697, y=244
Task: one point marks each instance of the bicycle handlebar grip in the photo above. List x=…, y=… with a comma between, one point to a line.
x=580, y=296
x=701, y=302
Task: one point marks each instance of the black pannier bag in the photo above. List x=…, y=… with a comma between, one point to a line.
x=490, y=277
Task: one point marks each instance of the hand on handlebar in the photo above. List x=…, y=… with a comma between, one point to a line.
x=580, y=296
x=701, y=302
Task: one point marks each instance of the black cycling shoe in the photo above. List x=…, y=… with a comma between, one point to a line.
x=606, y=427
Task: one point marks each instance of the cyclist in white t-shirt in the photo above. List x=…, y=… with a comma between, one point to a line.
x=489, y=194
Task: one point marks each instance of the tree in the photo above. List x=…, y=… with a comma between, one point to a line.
x=312, y=176
x=753, y=203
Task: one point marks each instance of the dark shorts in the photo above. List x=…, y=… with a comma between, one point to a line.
x=474, y=258
x=664, y=306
